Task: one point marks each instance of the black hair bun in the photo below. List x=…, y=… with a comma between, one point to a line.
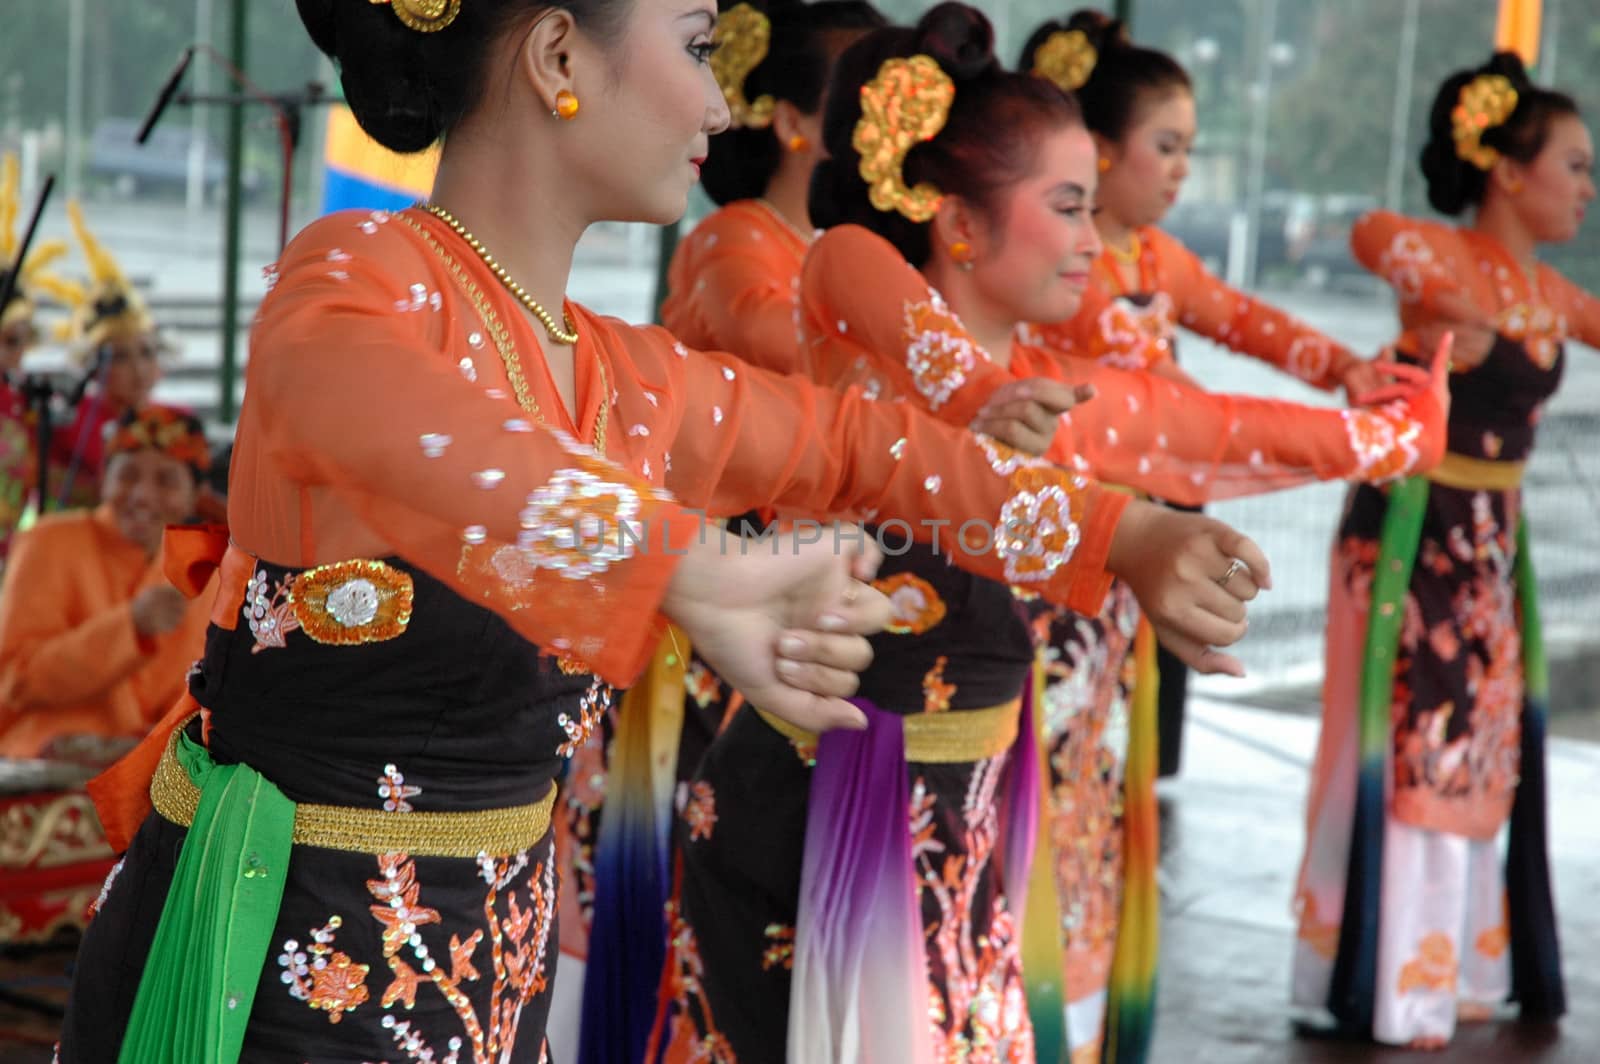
x=383, y=69
x=1454, y=184
x=317, y=15
x=959, y=38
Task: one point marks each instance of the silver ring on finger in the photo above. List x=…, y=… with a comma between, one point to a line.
x=1235, y=567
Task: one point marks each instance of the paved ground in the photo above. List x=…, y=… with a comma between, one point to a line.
x=1231, y=838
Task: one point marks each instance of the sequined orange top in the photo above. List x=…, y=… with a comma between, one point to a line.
x=381, y=418
x=1134, y=329
x=1179, y=442
x=71, y=661
x=1423, y=261
x=731, y=285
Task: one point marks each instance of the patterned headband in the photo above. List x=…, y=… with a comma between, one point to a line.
x=162, y=428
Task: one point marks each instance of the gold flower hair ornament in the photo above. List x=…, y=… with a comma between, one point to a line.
x=905, y=105
x=424, y=16
x=1066, y=58
x=1485, y=102
x=743, y=36
x=32, y=277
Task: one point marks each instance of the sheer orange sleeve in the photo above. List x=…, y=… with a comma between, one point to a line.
x=1204, y=304
x=1191, y=446
x=1180, y=443
x=732, y=288
x=1111, y=330
x=1420, y=260
x=362, y=433
x=748, y=438
x=868, y=318
x=1581, y=309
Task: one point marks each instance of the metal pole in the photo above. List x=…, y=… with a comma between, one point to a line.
x=196, y=179
x=1123, y=9
x=76, y=29
x=666, y=245
x=1394, y=188
x=1551, y=43
x=1255, y=190
x=231, y=222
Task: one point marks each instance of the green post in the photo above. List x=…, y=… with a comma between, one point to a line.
x=1123, y=9
x=667, y=243
x=231, y=222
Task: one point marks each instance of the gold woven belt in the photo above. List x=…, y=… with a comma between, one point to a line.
x=495, y=832
x=950, y=738
x=1477, y=474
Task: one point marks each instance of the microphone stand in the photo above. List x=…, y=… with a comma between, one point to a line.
x=286, y=109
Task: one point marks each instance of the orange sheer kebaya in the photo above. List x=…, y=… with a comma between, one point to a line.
x=732, y=286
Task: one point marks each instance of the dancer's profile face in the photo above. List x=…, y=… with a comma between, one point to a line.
x=1151, y=161
x=1553, y=192
x=648, y=106
x=1034, y=258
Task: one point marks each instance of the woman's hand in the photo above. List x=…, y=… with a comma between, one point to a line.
x=784, y=621
x=1364, y=378
x=1025, y=414
x=1192, y=576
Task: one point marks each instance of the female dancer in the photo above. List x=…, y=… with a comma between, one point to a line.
x=448, y=534
x=731, y=282
x=1139, y=106
x=1433, y=706
x=824, y=925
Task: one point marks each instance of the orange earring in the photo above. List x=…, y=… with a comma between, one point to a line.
x=961, y=254
x=1514, y=185
x=1104, y=164
x=566, y=105
x=798, y=143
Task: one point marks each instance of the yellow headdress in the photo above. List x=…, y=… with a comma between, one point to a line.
x=424, y=16
x=743, y=36
x=905, y=105
x=107, y=307
x=1066, y=58
x=31, y=277
x=1485, y=102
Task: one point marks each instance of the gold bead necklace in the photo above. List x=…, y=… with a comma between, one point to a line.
x=568, y=336
x=1129, y=257
x=504, y=344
